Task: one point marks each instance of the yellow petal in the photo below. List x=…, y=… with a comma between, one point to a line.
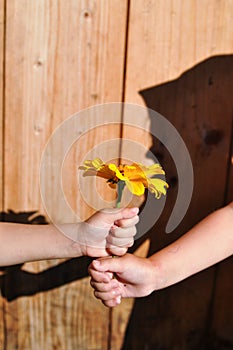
x=105, y=172
x=136, y=176
x=134, y=173
x=158, y=187
x=135, y=187
x=118, y=174
x=153, y=169
x=113, y=167
x=97, y=163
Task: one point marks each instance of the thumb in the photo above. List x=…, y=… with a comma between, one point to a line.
x=115, y=214
x=110, y=264
x=126, y=213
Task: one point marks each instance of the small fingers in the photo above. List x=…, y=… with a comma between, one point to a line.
x=113, y=302
x=119, y=239
x=119, y=232
x=114, y=250
x=104, y=277
x=106, y=296
x=127, y=222
x=104, y=287
x=108, y=293
x=119, y=242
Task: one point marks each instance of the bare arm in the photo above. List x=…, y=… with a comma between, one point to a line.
x=107, y=232
x=21, y=243
x=204, y=245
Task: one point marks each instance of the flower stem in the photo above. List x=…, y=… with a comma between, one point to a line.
x=120, y=187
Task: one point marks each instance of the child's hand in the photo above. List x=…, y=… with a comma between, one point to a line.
x=133, y=277
x=109, y=231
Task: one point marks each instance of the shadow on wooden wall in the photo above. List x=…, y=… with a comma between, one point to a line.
x=196, y=313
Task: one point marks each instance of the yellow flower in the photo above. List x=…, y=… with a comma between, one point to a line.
x=136, y=176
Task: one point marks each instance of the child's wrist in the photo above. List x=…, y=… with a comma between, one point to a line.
x=65, y=246
x=158, y=275
x=74, y=247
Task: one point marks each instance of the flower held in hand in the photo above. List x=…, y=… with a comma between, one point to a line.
x=136, y=177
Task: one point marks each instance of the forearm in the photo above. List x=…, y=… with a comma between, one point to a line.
x=21, y=243
x=204, y=245
x=109, y=231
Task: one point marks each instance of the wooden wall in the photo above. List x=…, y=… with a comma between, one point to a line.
x=58, y=57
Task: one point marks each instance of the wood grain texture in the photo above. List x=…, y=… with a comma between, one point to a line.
x=221, y=323
x=67, y=61
x=120, y=315
x=2, y=335
x=61, y=57
x=168, y=37
x=1, y=96
x=64, y=56
x=229, y=181
x=179, y=63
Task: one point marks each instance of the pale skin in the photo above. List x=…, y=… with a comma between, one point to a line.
x=204, y=245
x=109, y=231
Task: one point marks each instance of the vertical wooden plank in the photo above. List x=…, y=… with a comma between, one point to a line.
x=1, y=153
x=229, y=184
x=162, y=42
x=87, y=44
x=60, y=57
x=120, y=316
x=168, y=40
x=221, y=313
x=1, y=93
